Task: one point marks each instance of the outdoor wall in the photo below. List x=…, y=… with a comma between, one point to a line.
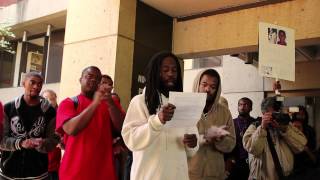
x=317, y=119
x=242, y=80
x=54, y=63
x=153, y=33
x=307, y=78
x=125, y=50
x=238, y=80
x=237, y=31
x=212, y=36
x=190, y=75
x=8, y=94
x=26, y=10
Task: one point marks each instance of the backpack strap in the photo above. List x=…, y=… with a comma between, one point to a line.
x=75, y=101
x=275, y=157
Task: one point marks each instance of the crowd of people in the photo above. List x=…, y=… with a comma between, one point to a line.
x=102, y=141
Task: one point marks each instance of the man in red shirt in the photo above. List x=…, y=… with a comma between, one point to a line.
x=86, y=122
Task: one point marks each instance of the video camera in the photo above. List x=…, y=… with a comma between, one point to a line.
x=281, y=118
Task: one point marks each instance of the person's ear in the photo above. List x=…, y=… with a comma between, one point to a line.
x=23, y=83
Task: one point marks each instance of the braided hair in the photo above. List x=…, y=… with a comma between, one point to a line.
x=153, y=80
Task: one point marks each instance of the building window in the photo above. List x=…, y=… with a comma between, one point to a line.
x=55, y=57
x=32, y=57
x=7, y=61
x=38, y=53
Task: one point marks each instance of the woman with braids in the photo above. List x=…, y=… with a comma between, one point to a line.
x=159, y=152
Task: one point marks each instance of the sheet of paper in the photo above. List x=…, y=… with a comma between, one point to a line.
x=276, y=51
x=189, y=107
x=215, y=131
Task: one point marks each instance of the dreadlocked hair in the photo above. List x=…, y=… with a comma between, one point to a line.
x=153, y=80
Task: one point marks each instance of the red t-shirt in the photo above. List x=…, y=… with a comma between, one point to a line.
x=88, y=155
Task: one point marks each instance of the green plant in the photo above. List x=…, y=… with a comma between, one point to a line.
x=5, y=34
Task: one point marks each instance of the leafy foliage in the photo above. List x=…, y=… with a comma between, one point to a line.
x=5, y=34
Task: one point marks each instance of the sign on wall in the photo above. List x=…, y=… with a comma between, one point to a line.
x=34, y=62
x=276, y=51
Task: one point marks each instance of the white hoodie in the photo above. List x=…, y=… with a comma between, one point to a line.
x=158, y=151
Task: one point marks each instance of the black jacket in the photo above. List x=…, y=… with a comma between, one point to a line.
x=17, y=162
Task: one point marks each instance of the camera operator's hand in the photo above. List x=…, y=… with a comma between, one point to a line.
x=266, y=120
x=166, y=113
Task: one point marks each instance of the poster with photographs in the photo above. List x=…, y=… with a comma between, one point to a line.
x=34, y=62
x=276, y=51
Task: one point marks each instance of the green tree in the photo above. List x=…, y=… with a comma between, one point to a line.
x=5, y=34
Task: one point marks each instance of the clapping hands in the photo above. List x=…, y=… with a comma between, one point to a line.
x=32, y=143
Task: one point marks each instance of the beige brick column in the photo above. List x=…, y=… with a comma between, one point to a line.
x=99, y=33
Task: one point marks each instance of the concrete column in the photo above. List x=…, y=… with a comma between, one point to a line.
x=99, y=33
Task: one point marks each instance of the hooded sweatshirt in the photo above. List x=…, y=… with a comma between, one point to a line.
x=208, y=163
x=158, y=151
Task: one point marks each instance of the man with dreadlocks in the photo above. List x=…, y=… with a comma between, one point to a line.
x=159, y=152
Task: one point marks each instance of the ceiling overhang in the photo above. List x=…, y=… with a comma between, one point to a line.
x=192, y=8
x=39, y=26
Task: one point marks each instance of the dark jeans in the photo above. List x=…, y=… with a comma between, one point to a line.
x=128, y=167
x=240, y=171
x=54, y=175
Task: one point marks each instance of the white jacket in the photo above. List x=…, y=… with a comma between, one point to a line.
x=158, y=151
